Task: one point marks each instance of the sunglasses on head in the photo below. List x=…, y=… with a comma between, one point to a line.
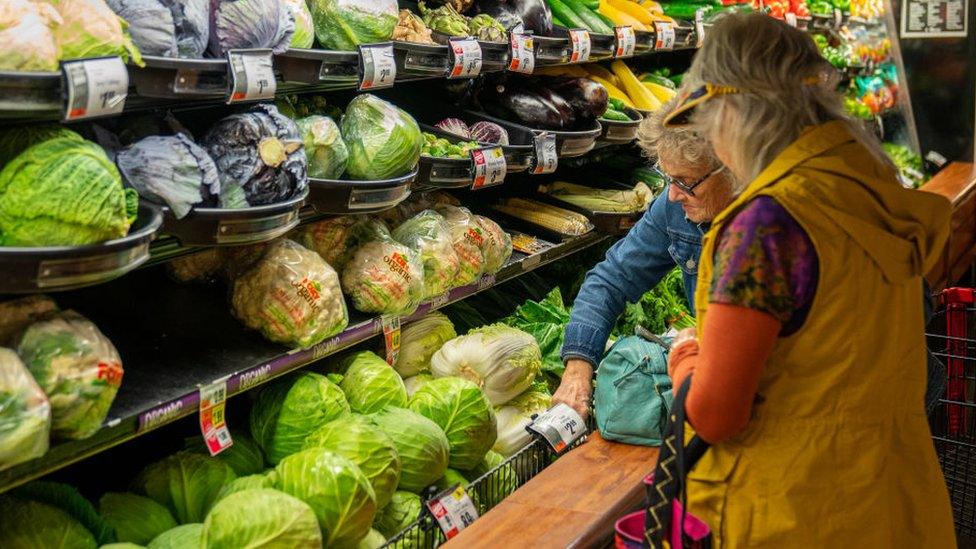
x=688, y=188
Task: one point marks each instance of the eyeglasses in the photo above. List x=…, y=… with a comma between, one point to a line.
x=688, y=188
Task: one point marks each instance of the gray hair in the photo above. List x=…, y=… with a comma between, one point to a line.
x=683, y=142
x=785, y=86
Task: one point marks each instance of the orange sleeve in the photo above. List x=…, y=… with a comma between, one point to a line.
x=727, y=363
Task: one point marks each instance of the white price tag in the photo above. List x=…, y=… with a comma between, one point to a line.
x=580, y=41
x=546, y=158
x=790, y=18
x=453, y=510
x=213, y=423
x=838, y=18
x=663, y=36
x=95, y=87
x=391, y=337
x=378, y=66
x=251, y=75
x=465, y=58
x=489, y=167
x=626, y=41
x=523, y=53
x=699, y=27
x=560, y=426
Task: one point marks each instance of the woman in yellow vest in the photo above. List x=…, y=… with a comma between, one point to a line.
x=809, y=357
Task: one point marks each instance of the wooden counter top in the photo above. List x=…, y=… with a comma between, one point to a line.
x=572, y=503
x=957, y=182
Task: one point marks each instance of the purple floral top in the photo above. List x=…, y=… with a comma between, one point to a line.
x=765, y=261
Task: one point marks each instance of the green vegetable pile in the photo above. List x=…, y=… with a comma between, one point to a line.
x=910, y=165
x=616, y=110
x=440, y=147
x=661, y=308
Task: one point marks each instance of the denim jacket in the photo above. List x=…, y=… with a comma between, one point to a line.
x=661, y=239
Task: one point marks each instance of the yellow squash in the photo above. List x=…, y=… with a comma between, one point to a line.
x=618, y=17
x=632, y=9
x=599, y=70
x=640, y=95
x=613, y=91
x=663, y=94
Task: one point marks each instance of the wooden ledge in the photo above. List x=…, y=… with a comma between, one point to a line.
x=957, y=182
x=572, y=503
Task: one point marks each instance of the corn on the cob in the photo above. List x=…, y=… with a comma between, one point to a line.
x=555, y=219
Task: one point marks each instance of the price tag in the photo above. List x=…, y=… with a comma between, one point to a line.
x=453, y=510
x=465, y=58
x=378, y=66
x=838, y=18
x=546, y=158
x=95, y=87
x=489, y=167
x=699, y=27
x=523, y=53
x=580, y=41
x=626, y=41
x=213, y=423
x=663, y=36
x=251, y=75
x=790, y=19
x=560, y=426
x=391, y=335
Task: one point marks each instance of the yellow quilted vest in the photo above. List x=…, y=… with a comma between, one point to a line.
x=838, y=451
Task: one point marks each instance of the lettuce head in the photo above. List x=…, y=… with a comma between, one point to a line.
x=27, y=41
x=261, y=518
x=383, y=140
x=370, y=384
x=458, y=407
x=422, y=446
x=89, y=28
x=346, y=24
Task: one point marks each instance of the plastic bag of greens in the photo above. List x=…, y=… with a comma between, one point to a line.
x=77, y=367
x=345, y=24
x=467, y=240
x=243, y=24
x=17, y=314
x=150, y=24
x=326, y=151
x=429, y=235
x=27, y=41
x=25, y=413
x=414, y=204
x=383, y=275
x=330, y=238
x=383, y=140
x=90, y=28
x=495, y=243
x=291, y=296
x=304, y=35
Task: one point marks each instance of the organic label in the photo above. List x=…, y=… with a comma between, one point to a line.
x=580, y=41
x=523, y=53
x=453, y=510
x=251, y=75
x=699, y=27
x=489, y=167
x=626, y=41
x=213, y=424
x=95, y=87
x=391, y=336
x=465, y=58
x=546, y=159
x=663, y=36
x=560, y=426
x=379, y=66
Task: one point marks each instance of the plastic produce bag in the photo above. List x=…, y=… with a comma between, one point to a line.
x=150, y=23
x=291, y=296
x=304, y=35
x=383, y=140
x=467, y=243
x=244, y=24
x=346, y=24
x=495, y=243
x=416, y=203
x=77, y=367
x=17, y=314
x=203, y=266
x=429, y=235
x=25, y=413
x=90, y=28
x=330, y=238
x=383, y=275
x=326, y=151
x=27, y=41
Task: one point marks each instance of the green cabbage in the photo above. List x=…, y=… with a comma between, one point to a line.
x=136, y=519
x=304, y=30
x=68, y=499
x=15, y=140
x=404, y=509
x=346, y=24
x=421, y=444
x=249, y=482
x=370, y=384
x=186, y=483
x=121, y=545
x=261, y=518
x=373, y=540
x=420, y=340
x=290, y=409
x=181, y=537
x=505, y=479
x=383, y=140
x=458, y=407
x=514, y=417
x=414, y=383
x=89, y=28
x=359, y=440
x=31, y=525
x=27, y=40
x=336, y=490
x=63, y=192
x=326, y=151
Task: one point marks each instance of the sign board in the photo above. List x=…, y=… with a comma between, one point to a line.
x=934, y=18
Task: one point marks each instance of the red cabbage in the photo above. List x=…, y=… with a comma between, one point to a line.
x=454, y=126
x=489, y=132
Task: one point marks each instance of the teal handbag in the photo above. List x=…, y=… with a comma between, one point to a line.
x=633, y=396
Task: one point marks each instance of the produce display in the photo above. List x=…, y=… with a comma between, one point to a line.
x=346, y=24
x=383, y=140
x=447, y=20
x=410, y=27
x=383, y=276
x=441, y=147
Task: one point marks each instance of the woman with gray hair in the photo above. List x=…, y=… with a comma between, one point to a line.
x=808, y=364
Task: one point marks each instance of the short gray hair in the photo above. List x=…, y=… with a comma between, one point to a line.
x=681, y=142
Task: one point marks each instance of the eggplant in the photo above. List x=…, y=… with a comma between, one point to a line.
x=566, y=111
x=533, y=15
x=529, y=107
x=587, y=98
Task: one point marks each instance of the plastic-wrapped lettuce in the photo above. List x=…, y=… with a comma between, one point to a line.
x=304, y=35
x=260, y=150
x=419, y=341
x=330, y=238
x=135, y=519
x=186, y=483
x=383, y=276
x=458, y=407
x=495, y=243
x=428, y=234
x=466, y=238
x=77, y=367
x=181, y=537
x=90, y=28
x=170, y=169
x=291, y=295
x=25, y=413
x=326, y=151
x=383, y=140
x=28, y=524
x=150, y=23
x=346, y=24
x=260, y=518
x=243, y=24
x=27, y=41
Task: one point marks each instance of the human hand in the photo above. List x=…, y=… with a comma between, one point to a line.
x=576, y=386
x=687, y=334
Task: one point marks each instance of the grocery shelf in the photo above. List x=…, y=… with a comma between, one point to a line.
x=184, y=336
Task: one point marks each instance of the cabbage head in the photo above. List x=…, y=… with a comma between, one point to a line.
x=16, y=139
x=89, y=28
x=336, y=490
x=346, y=24
x=250, y=482
x=404, y=509
x=150, y=23
x=30, y=524
x=261, y=518
x=502, y=360
x=121, y=545
x=514, y=417
x=383, y=140
x=136, y=519
x=373, y=540
x=414, y=383
x=290, y=409
x=245, y=24
x=304, y=35
x=370, y=384
x=420, y=340
x=326, y=151
x=458, y=407
x=27, y=42
x=181, y=537
x=68, y=499
x=421, y=444
x=63, y=192
x=359, y=440
x=185, y=483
